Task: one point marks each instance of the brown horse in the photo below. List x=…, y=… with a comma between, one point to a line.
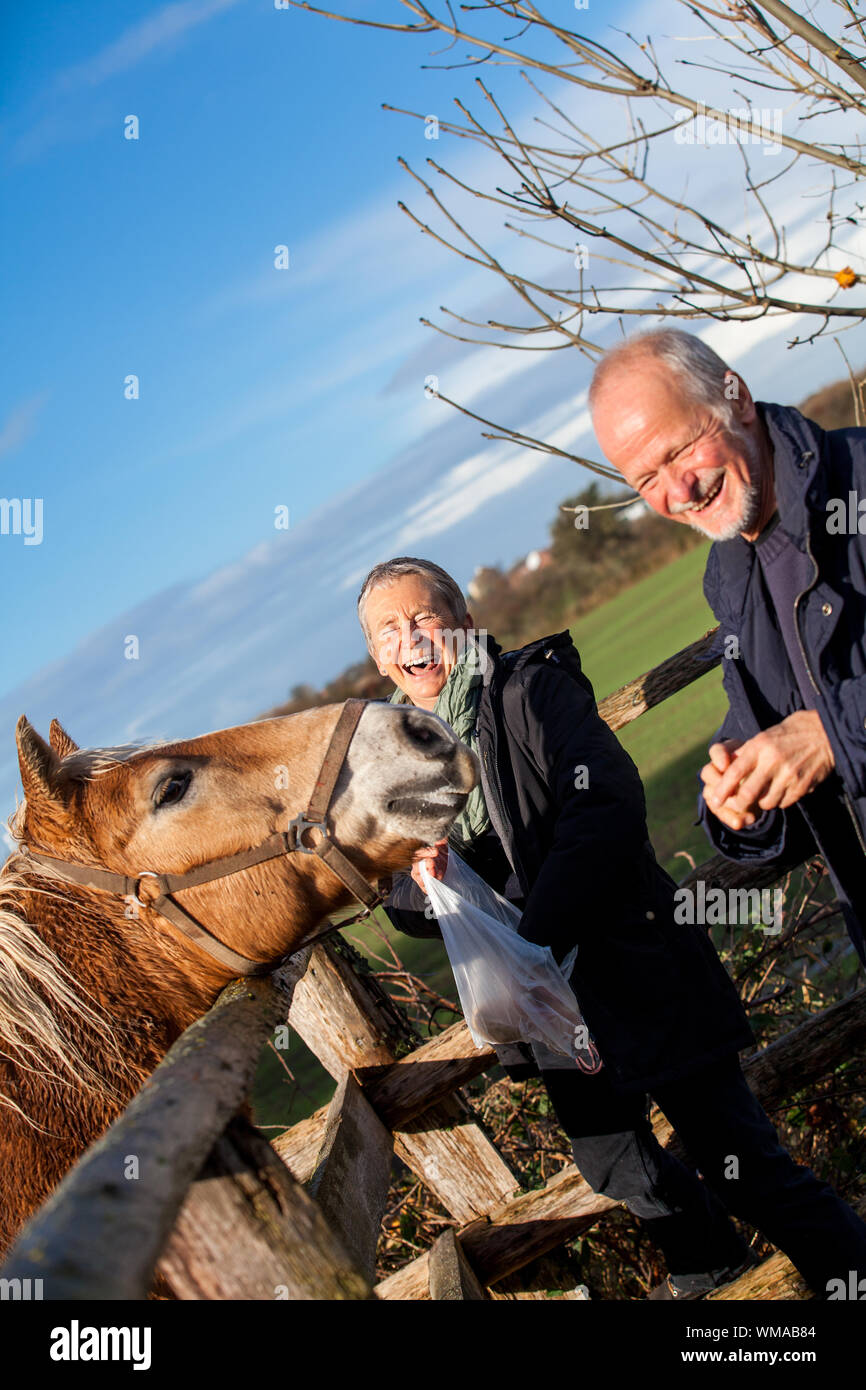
x=94, y=988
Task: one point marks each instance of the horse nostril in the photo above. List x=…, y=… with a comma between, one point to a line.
x=427, y=733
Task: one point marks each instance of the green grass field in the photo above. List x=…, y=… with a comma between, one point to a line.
x=629, y=635
x=617, y=641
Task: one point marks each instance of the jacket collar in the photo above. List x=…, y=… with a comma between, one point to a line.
x=522, y=656
x=797, y=446
x=490, y=653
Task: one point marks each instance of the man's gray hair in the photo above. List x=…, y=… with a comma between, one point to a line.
x=446, y=589
x=699, y=372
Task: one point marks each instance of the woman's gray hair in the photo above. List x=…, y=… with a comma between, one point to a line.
x=446, y=589
x=699, y=371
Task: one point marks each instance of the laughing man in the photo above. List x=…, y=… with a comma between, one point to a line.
x=786, y=579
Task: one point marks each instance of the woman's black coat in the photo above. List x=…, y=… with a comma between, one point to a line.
x=567, y=804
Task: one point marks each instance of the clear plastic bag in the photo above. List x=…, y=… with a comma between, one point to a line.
x=510, y=989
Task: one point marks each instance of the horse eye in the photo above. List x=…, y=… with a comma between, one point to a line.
x=172, y=789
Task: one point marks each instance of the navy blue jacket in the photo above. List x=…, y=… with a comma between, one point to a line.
x=813, y=468
x=653, y=993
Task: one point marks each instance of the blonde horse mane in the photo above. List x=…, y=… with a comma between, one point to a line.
x=39, y=996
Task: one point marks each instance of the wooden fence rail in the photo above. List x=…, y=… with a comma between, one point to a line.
x=217, y=1212
x=669, y=678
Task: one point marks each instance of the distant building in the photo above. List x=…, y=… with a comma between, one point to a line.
x=535, y=560
x=635, y=511
x=487, y=578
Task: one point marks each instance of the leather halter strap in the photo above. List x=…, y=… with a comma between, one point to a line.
x=290, y=841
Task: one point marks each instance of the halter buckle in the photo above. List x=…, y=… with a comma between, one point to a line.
x=298, y=827
x=145, y=873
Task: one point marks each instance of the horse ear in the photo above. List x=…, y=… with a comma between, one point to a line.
x=60, y=740
x=38, y=762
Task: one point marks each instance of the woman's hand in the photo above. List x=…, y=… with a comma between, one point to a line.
x=436, y=859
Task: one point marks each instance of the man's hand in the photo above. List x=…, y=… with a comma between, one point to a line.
x=436, y=859
x=731, y=813
x=774, y=769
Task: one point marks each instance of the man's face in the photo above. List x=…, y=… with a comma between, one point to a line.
x=412, y=637
x=686, y=463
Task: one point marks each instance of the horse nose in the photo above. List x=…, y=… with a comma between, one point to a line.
x=430, y=734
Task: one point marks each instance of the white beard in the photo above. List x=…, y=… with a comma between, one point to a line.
x=750, y=507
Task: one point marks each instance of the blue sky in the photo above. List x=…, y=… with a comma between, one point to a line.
x=262, y=388
x=155, y=257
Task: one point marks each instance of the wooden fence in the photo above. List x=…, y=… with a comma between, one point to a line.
x=215, y=1211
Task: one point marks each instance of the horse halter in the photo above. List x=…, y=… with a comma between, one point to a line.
x=290, y=841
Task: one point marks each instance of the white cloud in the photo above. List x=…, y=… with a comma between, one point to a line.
x=140, y=40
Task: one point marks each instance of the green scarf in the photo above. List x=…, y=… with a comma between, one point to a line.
x=457, y=704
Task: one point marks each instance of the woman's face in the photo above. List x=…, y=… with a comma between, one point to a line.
x=415, y=641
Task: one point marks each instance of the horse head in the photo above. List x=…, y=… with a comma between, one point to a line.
x=169, y=808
